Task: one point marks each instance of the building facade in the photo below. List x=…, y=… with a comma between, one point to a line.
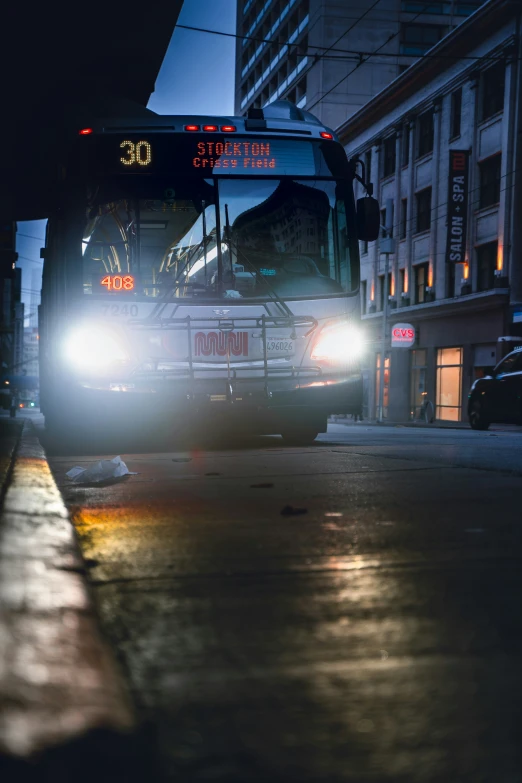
x=10, y=296
x=313, y=52
x=442, y=146
x=18, y=339
x=31, y=348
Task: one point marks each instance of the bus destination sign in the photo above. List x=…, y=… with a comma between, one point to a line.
x=225, y=156
x=234, y=154
x=254, y=156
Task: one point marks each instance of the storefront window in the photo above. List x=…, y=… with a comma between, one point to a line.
x=449, y=384
x=418, y=392
x=386, y=386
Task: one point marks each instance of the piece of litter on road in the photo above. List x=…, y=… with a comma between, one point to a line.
x=261, y=486
x=474, y=530
x=104, y=470
x=289, y=511
x=182, y=459
x=213, y=473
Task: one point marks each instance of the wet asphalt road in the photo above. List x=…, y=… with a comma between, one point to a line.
x=371, y=632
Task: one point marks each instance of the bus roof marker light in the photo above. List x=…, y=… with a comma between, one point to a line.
x=192, y=127
x=325, y=135
x=210, y=128
x=228, y=128
x=85, y=131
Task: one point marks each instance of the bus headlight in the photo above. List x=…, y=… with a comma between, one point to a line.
x=338, y=344
x=94, y=348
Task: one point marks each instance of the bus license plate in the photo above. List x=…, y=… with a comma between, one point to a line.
x=279, y=346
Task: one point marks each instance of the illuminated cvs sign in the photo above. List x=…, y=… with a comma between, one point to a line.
x=234, y=155
x=402, y=336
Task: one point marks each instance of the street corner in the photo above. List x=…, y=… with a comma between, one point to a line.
x=64, y=705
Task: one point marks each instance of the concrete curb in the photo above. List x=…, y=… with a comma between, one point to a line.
x=63, y=702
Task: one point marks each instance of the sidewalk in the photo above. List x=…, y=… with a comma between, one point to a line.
x=64, y=710
x=444, y=425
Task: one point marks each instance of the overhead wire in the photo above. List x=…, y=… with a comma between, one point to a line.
x=348, y=30
x=455, y=57
x=435, y=208
x=32, y=260
x=349, y=52
x=376, y=51
x=470, y=192
x=29, y=236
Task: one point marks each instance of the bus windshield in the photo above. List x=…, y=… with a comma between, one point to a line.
x=221, y=238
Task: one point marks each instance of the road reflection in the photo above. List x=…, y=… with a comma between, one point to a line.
x=306, y=665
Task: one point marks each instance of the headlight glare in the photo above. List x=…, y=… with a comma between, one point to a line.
x=339, y=344
x=93, y=348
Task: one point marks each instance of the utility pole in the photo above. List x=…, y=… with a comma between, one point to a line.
x=386, y=246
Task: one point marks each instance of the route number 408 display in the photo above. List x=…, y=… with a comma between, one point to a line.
x=118, y=282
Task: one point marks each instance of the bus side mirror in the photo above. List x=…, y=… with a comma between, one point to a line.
x=368, y=218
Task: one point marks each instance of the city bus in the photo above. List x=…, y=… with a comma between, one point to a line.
x=205, y=267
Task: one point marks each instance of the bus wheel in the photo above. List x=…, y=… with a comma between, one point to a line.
x=299, y=436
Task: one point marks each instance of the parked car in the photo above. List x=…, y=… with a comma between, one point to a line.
x=498, y=397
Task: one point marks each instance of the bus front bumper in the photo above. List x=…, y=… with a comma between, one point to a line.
x=324, y=395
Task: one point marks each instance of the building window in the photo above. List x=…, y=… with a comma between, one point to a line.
x=486, y=265
x=402, y=278
x=425, y=134
x=381, y=292
x=492, y=92
x=417, y=6
x=421, y=272
x=418, y=38
x=418, y=392
x=465, y=7
x=364, y=246
x=389, y=156
x=456, y=111
x=406, y=146
x=489, y=190
x=404, y=217
x=449, y=384
x=363, y=296
x=423, y=200
x=384, y=233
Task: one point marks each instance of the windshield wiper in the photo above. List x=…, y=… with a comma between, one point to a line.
x=271, y=291
x=178, y=283
x=228, y=239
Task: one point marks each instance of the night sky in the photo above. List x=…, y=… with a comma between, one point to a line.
x=197, y=76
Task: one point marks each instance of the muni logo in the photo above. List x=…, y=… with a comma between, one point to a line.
x=216, y=343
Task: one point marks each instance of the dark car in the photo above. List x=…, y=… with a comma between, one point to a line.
x=498, y=397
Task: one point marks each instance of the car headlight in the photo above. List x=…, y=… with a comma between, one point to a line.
x=340, y=344
x=94, y=348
